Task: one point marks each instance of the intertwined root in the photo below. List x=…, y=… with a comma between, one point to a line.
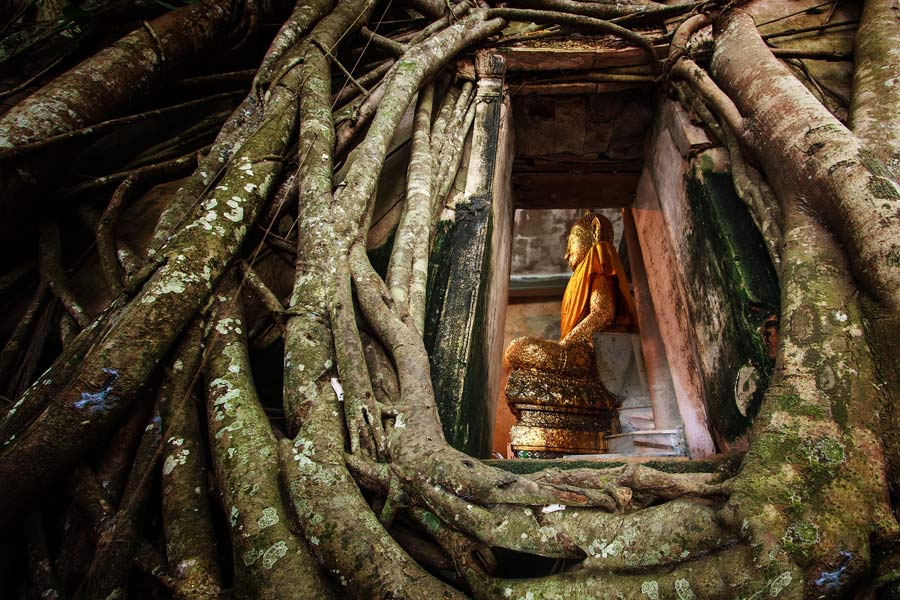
x=348, y=486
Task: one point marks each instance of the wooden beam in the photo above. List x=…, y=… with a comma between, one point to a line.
x=570, y=88
x=574, y=190
x=575, y=59
x=575, y=163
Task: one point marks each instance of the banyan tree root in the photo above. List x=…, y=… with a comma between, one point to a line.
x=343, y=485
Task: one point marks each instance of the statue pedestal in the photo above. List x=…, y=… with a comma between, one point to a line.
x=559, y=415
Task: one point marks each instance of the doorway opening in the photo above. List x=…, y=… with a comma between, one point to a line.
x=575, y=153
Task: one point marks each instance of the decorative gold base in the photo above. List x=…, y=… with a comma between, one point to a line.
x=552, y=439
x=559, y=415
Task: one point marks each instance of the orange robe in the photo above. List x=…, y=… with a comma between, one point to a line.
x=600, y=261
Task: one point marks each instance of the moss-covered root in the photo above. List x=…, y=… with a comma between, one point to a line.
x=269, y=560
x=812, y=491
x=361, y=414
x=787, y=125
x=112, y=564
x=187, y=522
x=335, y=518
x=726, y=575
x=281, y=58
x=308, y=338
x=448, y=147
x=117, y=367
x=302, y=19
x=654, y=537
x=106, y=83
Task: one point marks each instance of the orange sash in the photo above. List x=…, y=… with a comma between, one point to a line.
x=601, y=260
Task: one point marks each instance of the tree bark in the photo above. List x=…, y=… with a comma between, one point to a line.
x=834, y=173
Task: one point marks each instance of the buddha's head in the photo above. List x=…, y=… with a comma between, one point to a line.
x=587, y=231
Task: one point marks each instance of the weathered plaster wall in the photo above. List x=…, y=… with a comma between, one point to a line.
x=539, y=242
x=600, y=125
x=494, y=342
x=710, y=280
x=469, y=274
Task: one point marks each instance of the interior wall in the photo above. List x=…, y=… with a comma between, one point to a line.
x=539, y=242
x=710, y=281
x=501, y=246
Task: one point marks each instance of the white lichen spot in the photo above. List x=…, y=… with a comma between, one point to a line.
x=225, y=325
x=232, y=518
x=507, y=593
x=182, y=567
x=173, y=284
x=178, y=365
x=683, y=590
x=746, y=383
x=269, y=517
x=547, y=533
x=650, y=589
x=275, y=551
x=603, y=549
x=551, y=508
x=234, y=426
x=251, y=556
x=173, y=460
x=779, y=583
x=236, y=213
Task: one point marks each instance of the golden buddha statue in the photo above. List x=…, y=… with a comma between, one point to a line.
x=554, y=389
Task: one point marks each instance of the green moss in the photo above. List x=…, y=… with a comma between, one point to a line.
x=438, y=276
x=431, y=522
x=800, y=539
x=793, y=404
x=725, y=464
x=823, y=458
x=881, y=184
x=728, y=258
x=893, y=257
x=459, y=367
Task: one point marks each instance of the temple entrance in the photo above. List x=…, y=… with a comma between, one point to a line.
x=689, y=377
x=577, y=152
x=696, y=355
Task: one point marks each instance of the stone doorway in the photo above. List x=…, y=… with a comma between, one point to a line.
x=701, y=283
x=577, y=152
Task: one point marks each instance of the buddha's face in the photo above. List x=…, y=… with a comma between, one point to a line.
x=577, y=247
